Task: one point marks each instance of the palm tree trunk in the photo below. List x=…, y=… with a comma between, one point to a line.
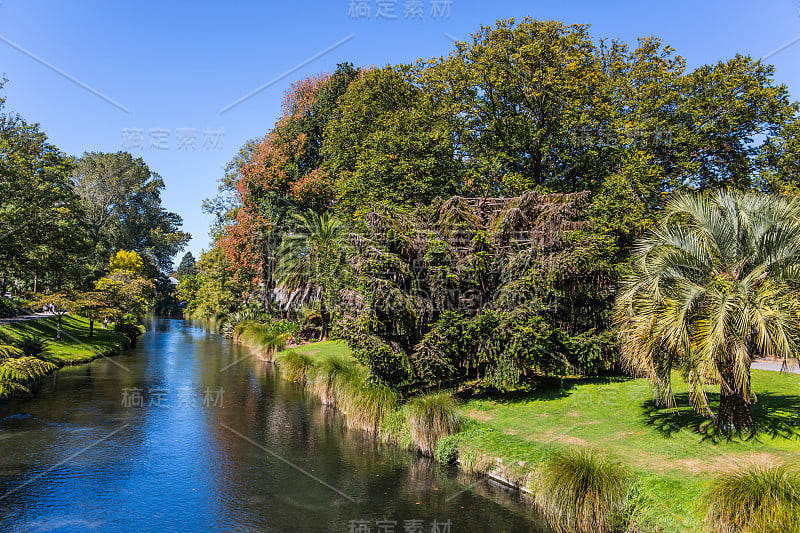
x=734, y=409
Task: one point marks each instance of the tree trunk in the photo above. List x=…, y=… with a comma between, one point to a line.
x=734, y=408
x=91, y=327
x=58, y=327
x=323, y=324
x=3, y=285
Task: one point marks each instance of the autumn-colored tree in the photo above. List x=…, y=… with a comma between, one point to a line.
x=129, y=261
x=125, y=292
x=282, y=176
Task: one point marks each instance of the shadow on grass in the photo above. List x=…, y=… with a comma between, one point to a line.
x=540, y=388
x=774, y=416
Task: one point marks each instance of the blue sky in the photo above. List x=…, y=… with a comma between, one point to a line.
x=165, y=70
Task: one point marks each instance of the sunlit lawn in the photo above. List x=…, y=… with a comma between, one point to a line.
x=675, y=452
x=75, y=345
x=325, y=348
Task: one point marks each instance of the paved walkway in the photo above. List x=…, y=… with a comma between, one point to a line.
x=24, y=318
x=761, y=364
x=767, y=364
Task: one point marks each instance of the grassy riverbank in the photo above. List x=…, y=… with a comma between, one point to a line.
x=75, y=345
x=673, y=454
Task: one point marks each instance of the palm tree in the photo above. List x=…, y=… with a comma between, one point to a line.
x=714, y=285
x=312, y=261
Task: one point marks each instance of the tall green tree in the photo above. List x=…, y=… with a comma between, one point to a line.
x=213, y=290
x=389, y=142
x=187, y=266
x=714, y=285
x=517, y=93
x=122, y=200
x=40, y=231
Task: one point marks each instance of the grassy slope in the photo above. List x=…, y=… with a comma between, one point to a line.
x=670, y=452
x=75, y=345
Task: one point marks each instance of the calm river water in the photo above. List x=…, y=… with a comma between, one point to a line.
x=188, y=433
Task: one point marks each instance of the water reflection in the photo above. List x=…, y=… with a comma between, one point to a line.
x=75, y=457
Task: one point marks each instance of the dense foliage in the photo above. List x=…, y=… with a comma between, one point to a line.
x=466, y=219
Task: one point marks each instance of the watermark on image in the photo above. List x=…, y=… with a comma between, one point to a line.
x=289, y=72
x=395, y=526
x=63, y=73
x=164, y=139
x=398, y=10
x=158, y=397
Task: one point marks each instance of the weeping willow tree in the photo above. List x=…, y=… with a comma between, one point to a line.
x=714, y=285
x=457, y=259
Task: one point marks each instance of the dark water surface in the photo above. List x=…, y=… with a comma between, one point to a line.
x=215, y=441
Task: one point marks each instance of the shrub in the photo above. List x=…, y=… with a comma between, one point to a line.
x=285, y=327
x=295, y=366
x=447, y=450
x=431, y=417
x=758, y=498
x=385, y=360
x=264, y=337
x=8, y=308
x=131, y=331
x=581, y=491
x=32, y=346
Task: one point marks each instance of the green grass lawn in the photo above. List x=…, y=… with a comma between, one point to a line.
x=75, y=345
x=674, y=453
x=325, y=348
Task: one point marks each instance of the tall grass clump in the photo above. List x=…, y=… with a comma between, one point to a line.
x=431, y=417
x=261, y=337
x=394, y=429
x=364, y=403
x=295, y=366
x=330, y=374
x=581, y=491
x=758, y=498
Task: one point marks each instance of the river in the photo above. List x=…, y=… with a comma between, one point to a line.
x=188, y=432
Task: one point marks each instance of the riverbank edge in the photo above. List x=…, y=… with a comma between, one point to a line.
x=495, y=473
x=479, y=458
x=67, y=357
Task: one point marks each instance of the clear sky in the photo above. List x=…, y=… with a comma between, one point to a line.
x=160, y=78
